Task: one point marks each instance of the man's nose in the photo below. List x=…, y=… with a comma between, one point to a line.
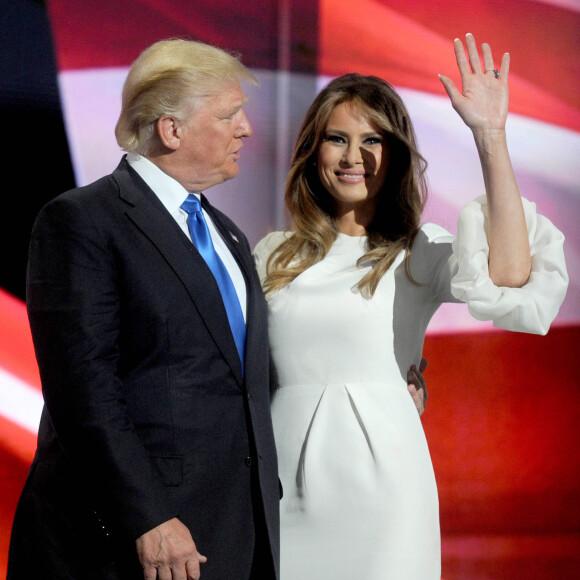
x=245, y=129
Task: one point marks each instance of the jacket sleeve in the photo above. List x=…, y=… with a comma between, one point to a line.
x=74, y=303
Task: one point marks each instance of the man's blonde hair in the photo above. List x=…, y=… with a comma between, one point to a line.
x=169, y=78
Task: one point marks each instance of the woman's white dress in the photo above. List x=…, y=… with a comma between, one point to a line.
x=360, y=499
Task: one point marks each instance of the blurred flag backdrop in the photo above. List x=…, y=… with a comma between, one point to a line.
x=502, y=415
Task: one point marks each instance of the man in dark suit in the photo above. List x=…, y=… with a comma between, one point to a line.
x=156, y=455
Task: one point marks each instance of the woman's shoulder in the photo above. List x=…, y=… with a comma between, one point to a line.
x=265, y=247
x=432, y=233
x=269, y=243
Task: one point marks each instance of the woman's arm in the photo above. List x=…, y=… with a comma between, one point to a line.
x=483, y=106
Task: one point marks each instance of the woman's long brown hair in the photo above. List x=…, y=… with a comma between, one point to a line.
x=400, y=201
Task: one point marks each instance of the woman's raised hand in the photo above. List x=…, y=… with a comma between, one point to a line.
x=483, y=101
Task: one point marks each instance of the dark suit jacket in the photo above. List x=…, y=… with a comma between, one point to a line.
x=147, y=416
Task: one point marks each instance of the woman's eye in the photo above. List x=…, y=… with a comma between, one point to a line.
x=335, y=138
x=373, y=140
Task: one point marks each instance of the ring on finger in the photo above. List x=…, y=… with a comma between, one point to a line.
x=495, y=72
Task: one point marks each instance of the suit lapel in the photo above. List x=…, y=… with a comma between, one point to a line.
x=256, y=308
x=231, y=239
x=254, y=294
x=151, y=217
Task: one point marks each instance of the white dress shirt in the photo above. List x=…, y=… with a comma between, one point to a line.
x=172, y=194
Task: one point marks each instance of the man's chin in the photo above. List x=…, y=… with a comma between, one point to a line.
x=232, y=171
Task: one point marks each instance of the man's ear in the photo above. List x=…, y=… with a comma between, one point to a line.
x=169, y=132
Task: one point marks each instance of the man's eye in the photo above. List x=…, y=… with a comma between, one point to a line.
x=230, y=116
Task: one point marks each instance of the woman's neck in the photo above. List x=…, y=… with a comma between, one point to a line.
x=351, y=224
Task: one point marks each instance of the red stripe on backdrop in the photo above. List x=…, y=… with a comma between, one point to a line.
x=408, y=42
x=13, y=471
x=503, y=431
x=16, y=349
x=17, y=445
x=112, y=33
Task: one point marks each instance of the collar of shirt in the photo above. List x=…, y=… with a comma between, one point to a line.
x=169, y=191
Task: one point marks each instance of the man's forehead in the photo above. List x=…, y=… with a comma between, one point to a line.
x=226, y=96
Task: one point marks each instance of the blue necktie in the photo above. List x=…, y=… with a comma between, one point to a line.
x=200, y=236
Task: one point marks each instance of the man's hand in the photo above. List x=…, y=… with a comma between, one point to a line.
x=168, y=552
x=417, y=386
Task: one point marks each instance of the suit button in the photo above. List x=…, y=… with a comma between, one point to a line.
x=248, y=461
x=249, y=397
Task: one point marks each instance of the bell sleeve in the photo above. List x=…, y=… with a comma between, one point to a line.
x=531, y=308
